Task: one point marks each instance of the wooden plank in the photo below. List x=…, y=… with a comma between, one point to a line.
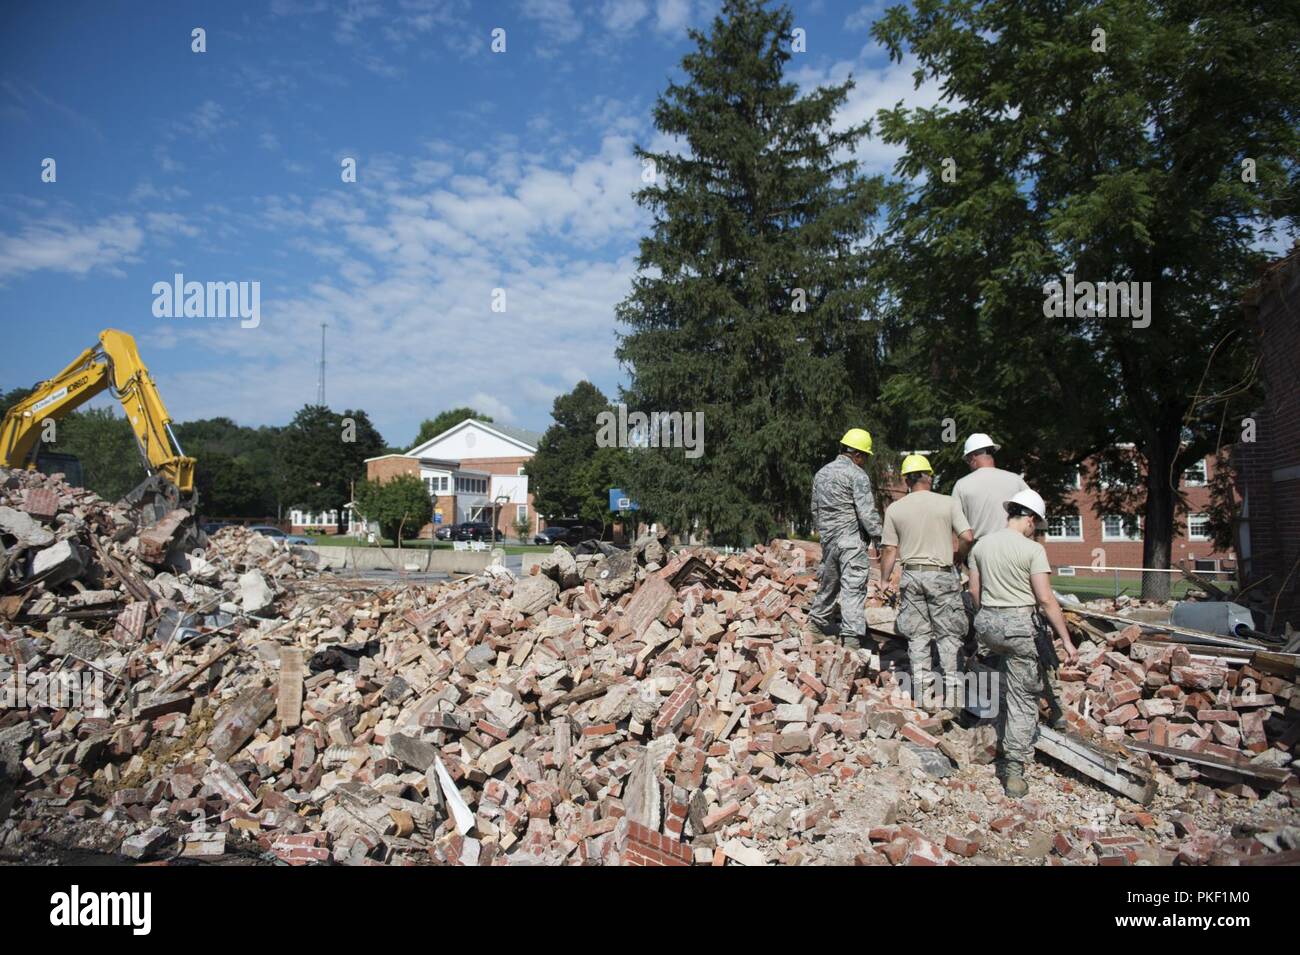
x=1280, y=664
x=289, y=699
x=237, y=723
x=1189, y=635
x=1093, y=764
x=1272, y=774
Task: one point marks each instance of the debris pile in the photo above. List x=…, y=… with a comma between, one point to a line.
x=1217, y=710
x=640, y=707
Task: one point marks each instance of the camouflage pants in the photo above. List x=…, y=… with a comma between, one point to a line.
x=1009, y=633
x=930, y=611
x=842, y=578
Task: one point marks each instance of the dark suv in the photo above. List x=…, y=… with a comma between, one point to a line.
x=473, y=531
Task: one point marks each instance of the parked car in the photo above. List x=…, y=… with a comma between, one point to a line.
x=551, y=535
x=474, y=531
x=446, y=532
x=266, y=530
x=211, y=527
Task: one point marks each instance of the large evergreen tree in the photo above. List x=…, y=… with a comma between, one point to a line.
x=324, y=454
x=1117, y=141
x=750, y=297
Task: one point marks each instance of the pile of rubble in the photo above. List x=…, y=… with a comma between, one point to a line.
x=641, y=706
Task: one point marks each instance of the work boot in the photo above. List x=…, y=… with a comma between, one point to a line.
x=1012, y=777
x=853, y=643
x=812, y=630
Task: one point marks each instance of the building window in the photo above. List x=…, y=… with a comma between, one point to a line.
x=1065, y=527
x=1117, y=527
x=521, y=512
x=1111, y=474
x=521, y=471
x=1198, y=527
x=1195, y=476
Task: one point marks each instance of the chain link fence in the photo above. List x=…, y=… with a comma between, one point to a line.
x=1089, y=582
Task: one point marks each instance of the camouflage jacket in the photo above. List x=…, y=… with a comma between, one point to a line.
x=842, y=502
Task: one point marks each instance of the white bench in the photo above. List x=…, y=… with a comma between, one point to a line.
x=460, y=545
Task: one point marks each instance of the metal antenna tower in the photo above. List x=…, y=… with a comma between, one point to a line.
x=320, y=387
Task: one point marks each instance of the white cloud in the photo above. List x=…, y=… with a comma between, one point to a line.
x=67, y=247
x=556, y=18
x=875, y=88
x=672, y=15
x=622, y=15
x=862, y=18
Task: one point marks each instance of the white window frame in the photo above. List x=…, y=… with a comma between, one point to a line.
x=1205, y=534
x=1115, y=480
x=1065, y=537
x=1123, y=535
x=1204, y=477
x=521, y=512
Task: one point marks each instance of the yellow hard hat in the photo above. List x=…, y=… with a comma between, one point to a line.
x=915, y=462
x=857, y=439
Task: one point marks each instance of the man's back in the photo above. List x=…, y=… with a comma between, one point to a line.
x=842, y=501
x=921, y=525
x=981, y=494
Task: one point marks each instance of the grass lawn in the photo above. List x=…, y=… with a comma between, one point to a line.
x=1088, y=586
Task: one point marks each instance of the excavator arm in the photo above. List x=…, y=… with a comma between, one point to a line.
x=114, y=364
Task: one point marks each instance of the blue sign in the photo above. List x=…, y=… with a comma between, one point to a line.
x=437, y=518
x=619, y=501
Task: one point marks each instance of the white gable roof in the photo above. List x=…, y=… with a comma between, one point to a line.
x=475, y=439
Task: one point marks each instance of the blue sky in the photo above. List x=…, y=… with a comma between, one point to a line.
x=475, y=171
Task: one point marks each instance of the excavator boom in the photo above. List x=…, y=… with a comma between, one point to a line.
x=114, y=364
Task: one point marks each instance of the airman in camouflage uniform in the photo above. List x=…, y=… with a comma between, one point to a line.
x=1008, y=632
x=1010, y=580
x=920, y=528
x=844, y=510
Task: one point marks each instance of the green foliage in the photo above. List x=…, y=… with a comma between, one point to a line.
x=522, y=528
x=239, y=472
x=1124, y=165
x=103, y=441
x=764, y=213
x=11, y=397
x=320, y=465
x=401, y=505
x=432, y=427
x=230, y=487
x=569, y=476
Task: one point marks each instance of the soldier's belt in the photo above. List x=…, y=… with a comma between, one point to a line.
x=927, y=567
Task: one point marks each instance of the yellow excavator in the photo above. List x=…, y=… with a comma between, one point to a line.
x=113, y=364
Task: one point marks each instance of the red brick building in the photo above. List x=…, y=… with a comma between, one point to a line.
x=1081, y=534
x=1078, y=535
x=471, y=470
x=1267, y=458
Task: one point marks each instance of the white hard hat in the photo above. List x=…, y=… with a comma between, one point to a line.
x=1029, y=499
x=977, y=442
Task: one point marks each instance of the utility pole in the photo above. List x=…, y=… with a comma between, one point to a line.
x=320, y=387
